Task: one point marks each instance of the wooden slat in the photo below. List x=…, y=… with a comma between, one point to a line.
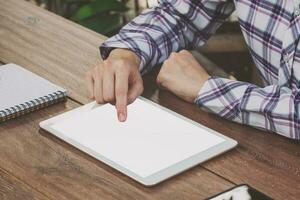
x=266, y=161
x=78, y=51
x=263, y=160
x=11, y=188
x=61, y=51
x=62, y=172
x=44, y=42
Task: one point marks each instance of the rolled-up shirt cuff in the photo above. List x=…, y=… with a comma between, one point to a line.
x=139, y=45
x=221, y=96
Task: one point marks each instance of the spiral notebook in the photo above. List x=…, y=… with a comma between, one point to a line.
x=22, y=91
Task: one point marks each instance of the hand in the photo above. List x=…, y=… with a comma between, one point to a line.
x=182, y=75
x=116, y=80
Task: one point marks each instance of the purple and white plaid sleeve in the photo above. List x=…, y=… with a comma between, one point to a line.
x=271, y=30
x=169, y=27
x=273, y=108
x=272, y=33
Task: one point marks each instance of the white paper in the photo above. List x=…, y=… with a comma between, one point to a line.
x=150, y=140
x=18, y=85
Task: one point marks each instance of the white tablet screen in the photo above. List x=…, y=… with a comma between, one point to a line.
x=151, y=139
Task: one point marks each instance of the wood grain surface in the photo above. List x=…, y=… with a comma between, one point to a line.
x=264, y=160
x=45, y=42
x=60, y=171
x=12, y=188
x=62, y=51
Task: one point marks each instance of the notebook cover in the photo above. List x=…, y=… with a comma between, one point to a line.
x=23, y=91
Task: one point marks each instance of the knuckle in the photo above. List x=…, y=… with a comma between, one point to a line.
x=184, y=51
x=165, y=64
x=160, y=83
x=158, y=79
x=163, y=69
x=161, y=77
x=105, y=69
x=173, y=55
x=99, y=100
x=98, y=97
x=121, y=63
x=107, y=98
x=107, y=62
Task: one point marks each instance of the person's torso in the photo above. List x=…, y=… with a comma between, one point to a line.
x=271, y=29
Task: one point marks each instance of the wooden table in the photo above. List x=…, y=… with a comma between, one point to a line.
x=36, y=165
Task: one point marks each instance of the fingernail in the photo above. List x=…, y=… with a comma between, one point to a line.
x=121, y=117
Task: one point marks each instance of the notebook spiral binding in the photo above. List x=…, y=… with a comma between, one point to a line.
x=32, y=105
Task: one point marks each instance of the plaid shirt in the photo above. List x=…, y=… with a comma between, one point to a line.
x=271, y=29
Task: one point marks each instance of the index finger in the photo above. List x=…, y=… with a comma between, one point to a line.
x=121, y=90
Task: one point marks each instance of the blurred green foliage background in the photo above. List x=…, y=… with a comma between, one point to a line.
x=108, y=16
x=103, y=16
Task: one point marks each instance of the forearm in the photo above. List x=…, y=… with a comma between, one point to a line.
x=172, y=26
x=272, y=108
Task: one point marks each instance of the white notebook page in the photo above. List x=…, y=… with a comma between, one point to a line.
x=18, y=85
x=150, y=140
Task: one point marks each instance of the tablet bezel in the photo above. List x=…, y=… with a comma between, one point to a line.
x=157, y=177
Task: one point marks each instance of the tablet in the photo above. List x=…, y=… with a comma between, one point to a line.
x=152, y=145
